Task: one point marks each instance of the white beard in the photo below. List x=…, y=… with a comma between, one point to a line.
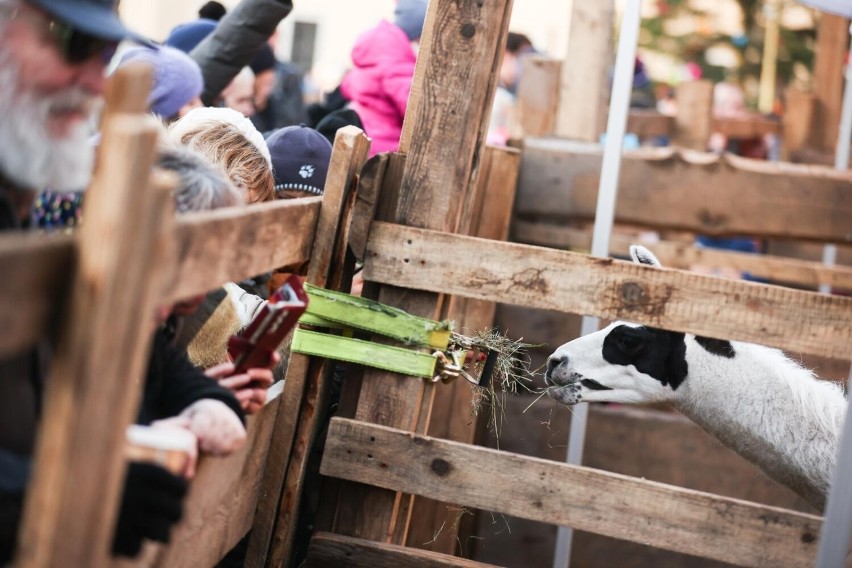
x=30, y=156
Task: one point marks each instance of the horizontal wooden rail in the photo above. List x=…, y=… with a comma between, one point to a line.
x=212, y=247
x=232, y=244
x=523, y=275
x=689, y=190
x=604, y=503
x=37, y=275
x=649, y=123
x=327, y=549
x=683, y=255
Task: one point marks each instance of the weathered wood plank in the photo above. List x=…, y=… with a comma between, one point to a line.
x=571, y=282
x=605, y=503
x=296, y=422
x=684, y=255
x=95, y=381
x=35, y=285
x=460, y=53
x=696, y=192
x=584, y=89
x=327, y=549
x=366, y=203
x=230, y=244
x=452, y=417
x=694, y=113
x=832, y=44
x=538, y=96
x=222, y=500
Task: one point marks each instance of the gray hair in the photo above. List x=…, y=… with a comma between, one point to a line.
x=203, y=186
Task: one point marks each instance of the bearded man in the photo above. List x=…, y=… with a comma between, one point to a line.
x=53, y=55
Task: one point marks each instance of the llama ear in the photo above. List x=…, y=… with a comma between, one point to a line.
x=641, y=255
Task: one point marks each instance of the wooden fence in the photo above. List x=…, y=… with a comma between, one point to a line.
x=426, y=201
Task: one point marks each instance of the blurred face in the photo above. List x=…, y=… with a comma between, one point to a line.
x=263, y=85
x=46, y=101
x=239, y=94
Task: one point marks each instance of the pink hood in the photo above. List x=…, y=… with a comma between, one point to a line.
x=379, y=83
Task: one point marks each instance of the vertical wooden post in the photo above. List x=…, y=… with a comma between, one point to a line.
x=538, y=97
x=832, y=43
x=434, y=525
x=584, y=80
x=694, y=114
x=797, y=121
x=96, y=376
x=461, y=46
x=296, y=417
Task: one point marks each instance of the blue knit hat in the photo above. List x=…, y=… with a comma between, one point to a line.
x=410, y=15
x=186, y=36
x=177, y=78
x=300, y=158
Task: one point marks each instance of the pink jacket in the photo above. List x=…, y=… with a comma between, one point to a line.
x=379, y=83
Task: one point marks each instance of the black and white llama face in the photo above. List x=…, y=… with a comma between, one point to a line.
x=622, y=363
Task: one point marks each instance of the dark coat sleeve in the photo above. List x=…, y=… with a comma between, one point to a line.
x=173, y=383
x=235, y=41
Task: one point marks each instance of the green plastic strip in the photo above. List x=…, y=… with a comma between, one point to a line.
x=368, y=315
x=385, y=357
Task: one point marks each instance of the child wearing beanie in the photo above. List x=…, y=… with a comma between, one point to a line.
x=300, y=158
x=379, y=83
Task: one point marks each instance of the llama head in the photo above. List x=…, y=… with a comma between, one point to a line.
x=622, y=363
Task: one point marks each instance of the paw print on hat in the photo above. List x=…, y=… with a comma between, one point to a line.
x=300, y=159
x=306, y=171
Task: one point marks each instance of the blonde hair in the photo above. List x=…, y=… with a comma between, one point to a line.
x=245, y=164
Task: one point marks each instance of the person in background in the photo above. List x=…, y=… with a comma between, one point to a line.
x=502, y=110
x=264, y=68
x=379, y=83
x=53, y=57
x=177, y=85
x=212, y=11
x=300, y=159
x=226, y=137
x=239, y=94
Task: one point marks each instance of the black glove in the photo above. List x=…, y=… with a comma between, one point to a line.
x=11, y=505
x=152, y=502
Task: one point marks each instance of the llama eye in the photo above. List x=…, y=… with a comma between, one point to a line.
x=629, y=343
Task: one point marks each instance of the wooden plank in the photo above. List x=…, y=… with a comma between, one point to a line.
x=694, y=111
x=95, y=380
x=219, y=509
x=366, y=203
x=702, y=193
x=646, y=123
x=798, y=120
x=228, y=245
x=570, y=282
x=605, y=503
x=433, y=524
x=297, y=422
x=34, y=287
x=584, y=92
x=745, y=127
x=460, y=53
x=675, y=254
x=832, y=45
x=329, y=549
x=537, y=101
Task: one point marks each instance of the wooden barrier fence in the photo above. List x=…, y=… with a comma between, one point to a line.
x=415, y=256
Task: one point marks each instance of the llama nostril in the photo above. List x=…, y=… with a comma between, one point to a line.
x=553, y=362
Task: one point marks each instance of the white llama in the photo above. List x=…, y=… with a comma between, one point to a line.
x=754, y=399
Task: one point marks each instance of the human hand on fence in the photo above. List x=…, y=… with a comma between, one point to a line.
x=179, y=426
x=218, y=429
x=249, y=387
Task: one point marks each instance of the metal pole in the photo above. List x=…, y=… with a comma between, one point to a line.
x=619, y=105
x=837, y=526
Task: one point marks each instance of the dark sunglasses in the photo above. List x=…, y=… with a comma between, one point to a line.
x=74, y=45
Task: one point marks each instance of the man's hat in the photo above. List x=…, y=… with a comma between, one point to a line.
x=94, y=17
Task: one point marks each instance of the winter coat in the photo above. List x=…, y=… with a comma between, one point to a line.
x=235, y=41
x=379, y=83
